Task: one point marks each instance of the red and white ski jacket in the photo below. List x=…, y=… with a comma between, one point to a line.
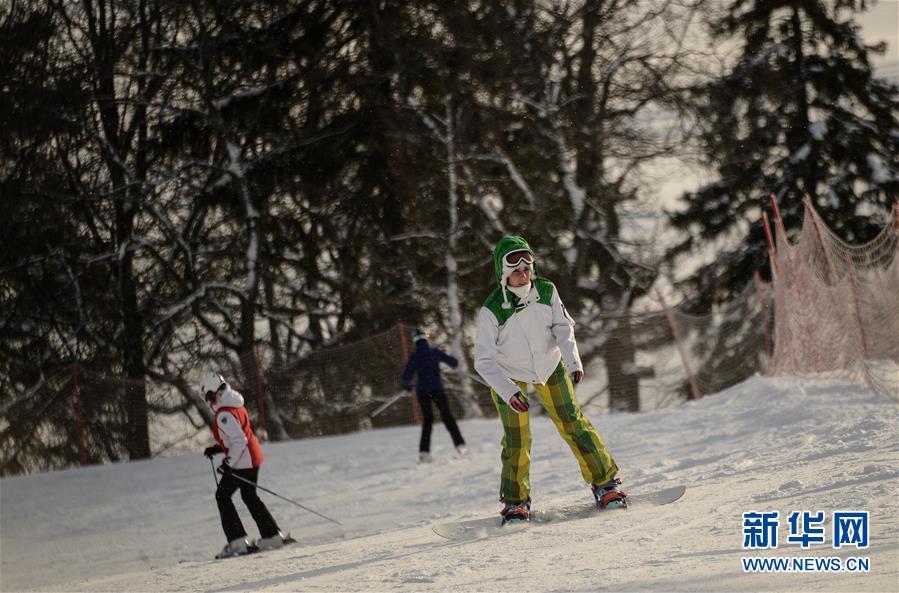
x=233, y=432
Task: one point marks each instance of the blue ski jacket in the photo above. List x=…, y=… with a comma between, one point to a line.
x=426, y=362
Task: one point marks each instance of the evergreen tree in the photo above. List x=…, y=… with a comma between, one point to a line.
x=800, y=112
x=37, y=313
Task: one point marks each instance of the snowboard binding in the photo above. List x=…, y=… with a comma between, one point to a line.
x=516, y=512
x=609, y=495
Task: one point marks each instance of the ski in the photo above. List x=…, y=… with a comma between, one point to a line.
x=254, y=549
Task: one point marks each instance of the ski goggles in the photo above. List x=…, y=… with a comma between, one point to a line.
x=212, y=395
x=514, y=259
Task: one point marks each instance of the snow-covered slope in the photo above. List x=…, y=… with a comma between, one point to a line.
x=766, y=445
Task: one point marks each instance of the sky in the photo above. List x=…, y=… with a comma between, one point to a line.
x=881, y=23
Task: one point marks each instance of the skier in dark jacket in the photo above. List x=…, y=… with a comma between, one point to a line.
x=426, y=362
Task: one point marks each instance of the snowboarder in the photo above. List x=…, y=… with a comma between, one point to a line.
x=426, y=362
x=243, y=455
x=526, y=337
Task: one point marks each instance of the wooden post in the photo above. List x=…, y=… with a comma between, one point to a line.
x=260, y=391
x=79, y=417
x=781, y=228
x=680, y=348
x=777, y=217
x=416, y=412
x=772, y=250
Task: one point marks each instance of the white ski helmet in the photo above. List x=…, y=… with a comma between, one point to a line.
x=210, y=385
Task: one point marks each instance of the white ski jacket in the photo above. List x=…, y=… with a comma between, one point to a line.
x=525, y=343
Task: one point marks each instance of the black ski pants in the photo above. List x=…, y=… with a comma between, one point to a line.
x=427, y=418
x=230, y=519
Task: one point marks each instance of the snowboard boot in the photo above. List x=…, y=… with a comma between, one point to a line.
x=236, y=547
x=609, y=495
x=462, y=450
x=425, y=457
x=516, y=512
x=271, y=543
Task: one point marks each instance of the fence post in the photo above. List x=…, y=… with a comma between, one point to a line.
x=260, y=390
x=694, y=391
x=781, y=228
x=777, y=217
x=772, y=251
x=79, y=417
x=416, y=413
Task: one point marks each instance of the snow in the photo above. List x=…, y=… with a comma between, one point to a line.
x=867, y=210
x=576, y=194
x=801, y=154
x=818, y=130
x=235, y=165
x=248, y=93
x=517, y=178
x=880, y=174
x=764, y=445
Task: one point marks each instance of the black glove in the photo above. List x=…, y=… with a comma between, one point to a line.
x=224, y=468
x=213, y=450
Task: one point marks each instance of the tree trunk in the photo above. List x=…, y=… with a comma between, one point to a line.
x=102, y=32
x=469, y=404
x=619, y=352
x=801, y=136
x=132, y=348
x=619, y=355
x=602, y=233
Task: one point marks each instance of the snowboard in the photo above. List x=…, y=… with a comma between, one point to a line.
x=254, y=549
x=491, y=526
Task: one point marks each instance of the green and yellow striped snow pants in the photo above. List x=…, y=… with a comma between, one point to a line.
x=557, y=395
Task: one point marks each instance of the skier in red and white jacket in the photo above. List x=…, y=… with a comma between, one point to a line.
x=243, y=456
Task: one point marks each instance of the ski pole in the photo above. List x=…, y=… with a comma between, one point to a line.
x=233, y=475
x=214, y=475
x=387, y=404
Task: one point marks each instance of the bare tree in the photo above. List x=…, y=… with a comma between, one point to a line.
x=603, y=103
